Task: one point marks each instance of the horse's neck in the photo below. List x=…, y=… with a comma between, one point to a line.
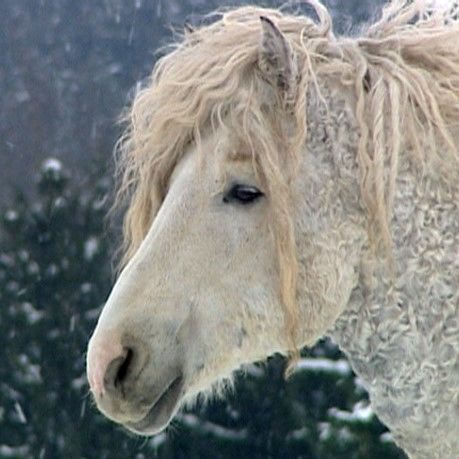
x=403, y=341
x=423, y=295
x=330, y=223
x=401, y=338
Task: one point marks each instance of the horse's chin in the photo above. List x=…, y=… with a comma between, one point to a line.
x=161, y=412
x=182, y=391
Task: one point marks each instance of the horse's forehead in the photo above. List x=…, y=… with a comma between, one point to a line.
x=233, y=161
x=221, y=157
x=238, y=155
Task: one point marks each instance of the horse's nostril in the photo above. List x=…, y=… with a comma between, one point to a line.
x=118, y=370
x=123, y=370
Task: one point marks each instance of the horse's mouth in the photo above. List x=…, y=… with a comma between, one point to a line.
x=162, y=410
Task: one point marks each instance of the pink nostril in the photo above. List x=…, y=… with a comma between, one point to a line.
x=102, y=351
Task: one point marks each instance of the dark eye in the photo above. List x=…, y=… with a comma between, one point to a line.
x=243, y=194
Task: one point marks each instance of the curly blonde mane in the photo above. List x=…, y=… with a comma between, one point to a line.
x=404, y=73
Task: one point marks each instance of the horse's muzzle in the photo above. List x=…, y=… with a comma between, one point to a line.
x=121, y=381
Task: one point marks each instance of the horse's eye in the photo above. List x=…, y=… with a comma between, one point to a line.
x=243, y=194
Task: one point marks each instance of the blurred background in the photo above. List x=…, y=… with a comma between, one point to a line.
x=67, y=69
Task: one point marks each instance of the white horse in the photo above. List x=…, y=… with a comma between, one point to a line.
x=281, y=185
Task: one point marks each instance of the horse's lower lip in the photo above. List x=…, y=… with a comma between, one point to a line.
x=161, y=412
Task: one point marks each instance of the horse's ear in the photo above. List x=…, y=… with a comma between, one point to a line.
x=277, y=61
x=188, y=28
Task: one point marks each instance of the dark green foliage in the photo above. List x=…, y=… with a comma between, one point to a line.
x=55, y=275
